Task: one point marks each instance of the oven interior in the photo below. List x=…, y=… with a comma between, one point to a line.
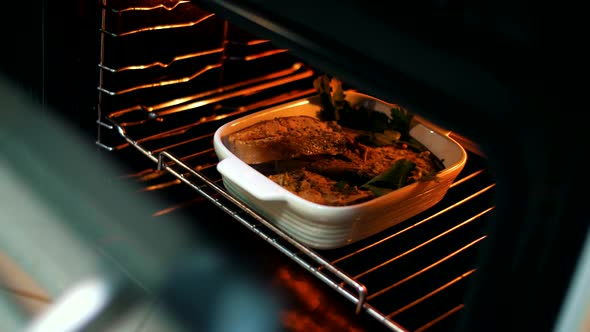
x=169, y=73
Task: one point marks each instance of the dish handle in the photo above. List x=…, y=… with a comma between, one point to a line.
x=244, y=176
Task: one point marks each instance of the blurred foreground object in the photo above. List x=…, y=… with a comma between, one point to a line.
x=60, y=209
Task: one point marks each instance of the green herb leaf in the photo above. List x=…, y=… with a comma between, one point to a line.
x=400, y=121
x=336, y=108
x=324, y=90
x=393, y=178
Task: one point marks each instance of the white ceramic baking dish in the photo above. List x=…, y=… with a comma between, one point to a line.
x=327, y=227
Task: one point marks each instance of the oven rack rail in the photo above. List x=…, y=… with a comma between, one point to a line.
x=147, y=6
x=212, y=62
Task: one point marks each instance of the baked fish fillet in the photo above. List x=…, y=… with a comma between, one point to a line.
x=286, y=138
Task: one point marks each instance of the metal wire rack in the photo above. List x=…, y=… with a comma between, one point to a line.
x=171, y=73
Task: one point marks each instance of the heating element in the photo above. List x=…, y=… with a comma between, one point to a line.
x=171, y=73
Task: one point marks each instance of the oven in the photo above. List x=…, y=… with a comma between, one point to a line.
x=147, y=83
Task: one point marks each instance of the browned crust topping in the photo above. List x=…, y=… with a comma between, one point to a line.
x=320, y=189
x=286, y=138
x=320, y=161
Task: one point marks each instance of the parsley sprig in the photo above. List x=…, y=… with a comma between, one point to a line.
x=382, y=129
